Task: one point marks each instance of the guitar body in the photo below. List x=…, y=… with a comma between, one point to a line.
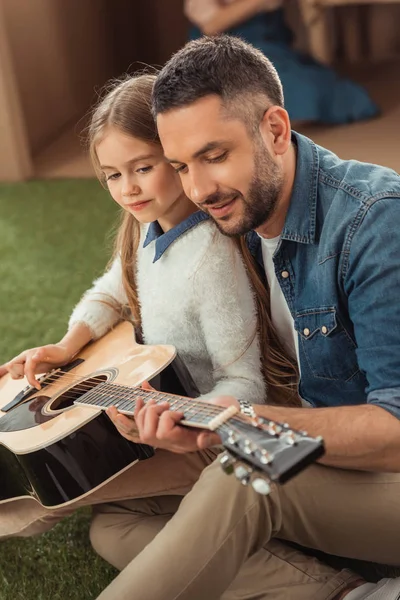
x=56, y=452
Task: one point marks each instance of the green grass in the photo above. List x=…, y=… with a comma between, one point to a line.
x=54, y=239
x=58, y=565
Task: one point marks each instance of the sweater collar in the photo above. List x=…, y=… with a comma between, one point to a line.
x=162, y=241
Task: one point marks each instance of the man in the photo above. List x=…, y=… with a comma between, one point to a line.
x=326, y=232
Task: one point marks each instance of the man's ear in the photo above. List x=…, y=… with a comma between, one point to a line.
x=275, y=130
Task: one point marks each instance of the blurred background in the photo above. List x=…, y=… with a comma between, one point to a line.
x=54, y=54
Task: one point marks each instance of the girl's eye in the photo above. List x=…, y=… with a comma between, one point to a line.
x=144, y=169
x=219, y=158
x=113, y=176
x=180, y=169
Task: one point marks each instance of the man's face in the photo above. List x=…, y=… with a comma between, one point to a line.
x=228, y=173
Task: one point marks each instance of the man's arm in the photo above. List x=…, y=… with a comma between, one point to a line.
x=364, y=437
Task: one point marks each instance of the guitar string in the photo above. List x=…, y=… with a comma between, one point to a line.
x=227, y=427
x=86, y=386
x=81, y=384
x=131, y=394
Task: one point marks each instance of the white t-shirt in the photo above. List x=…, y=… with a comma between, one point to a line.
x=280, y=313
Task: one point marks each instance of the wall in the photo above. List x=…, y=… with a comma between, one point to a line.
x=54, y=53
x=147, y=33
x=60, y=52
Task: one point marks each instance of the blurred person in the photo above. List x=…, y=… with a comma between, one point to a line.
x=313, y=92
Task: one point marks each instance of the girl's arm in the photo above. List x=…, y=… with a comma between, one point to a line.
x=101, y=307
x=98, y=310
x=213, y=17
x=227, y=314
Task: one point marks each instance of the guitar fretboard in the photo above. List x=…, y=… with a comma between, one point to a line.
x=124, y=399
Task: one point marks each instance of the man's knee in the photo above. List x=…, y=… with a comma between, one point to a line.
x=99, y=535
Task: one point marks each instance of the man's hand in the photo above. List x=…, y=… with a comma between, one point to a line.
x=158, y=426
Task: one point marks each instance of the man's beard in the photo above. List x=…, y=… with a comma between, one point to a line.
x=261, y=201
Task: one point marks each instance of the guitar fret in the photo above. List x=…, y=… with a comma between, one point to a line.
x=178, y=405
x=89, y=397
x=126, y=405
x=124, y=398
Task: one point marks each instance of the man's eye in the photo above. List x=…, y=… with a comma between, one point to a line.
x=219, y=158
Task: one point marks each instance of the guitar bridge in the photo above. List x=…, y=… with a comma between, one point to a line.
x=30, y=390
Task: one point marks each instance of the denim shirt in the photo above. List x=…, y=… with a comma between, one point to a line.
x=338, y=265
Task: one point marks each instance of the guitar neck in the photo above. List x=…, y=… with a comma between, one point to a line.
x=266, y=446
x=196, y=413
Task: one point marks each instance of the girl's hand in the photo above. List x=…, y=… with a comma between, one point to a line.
x=158, y=426
x=126, y=425
x=36, y=360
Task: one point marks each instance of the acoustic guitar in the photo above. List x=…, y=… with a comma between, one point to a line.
x=57, y=444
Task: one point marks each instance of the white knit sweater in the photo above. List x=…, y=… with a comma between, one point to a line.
x=197, y=297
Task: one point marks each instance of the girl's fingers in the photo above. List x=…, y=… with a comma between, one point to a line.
x=146, y=386
x=31, y=364
x=142, y=409
x=16, y=370
x=149, y=418
x=126, y=426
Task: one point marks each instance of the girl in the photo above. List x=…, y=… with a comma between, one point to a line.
x=181, y=282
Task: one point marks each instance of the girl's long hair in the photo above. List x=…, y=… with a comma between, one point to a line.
x=279, y=368
x=126, y=105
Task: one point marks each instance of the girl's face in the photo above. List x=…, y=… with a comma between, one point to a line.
x=138, y=177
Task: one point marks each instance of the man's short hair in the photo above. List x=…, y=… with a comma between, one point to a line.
x=223, y=65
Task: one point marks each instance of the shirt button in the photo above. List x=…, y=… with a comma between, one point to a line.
x=324, y=329
x=285, y=274
x=306, y=331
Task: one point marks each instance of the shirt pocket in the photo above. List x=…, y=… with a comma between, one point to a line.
x=327, y=347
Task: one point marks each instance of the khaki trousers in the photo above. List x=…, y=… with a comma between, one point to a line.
x=121, y=530
x=224, y=534
x=165, y=473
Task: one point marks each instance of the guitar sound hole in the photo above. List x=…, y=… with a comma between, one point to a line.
x=67, y=399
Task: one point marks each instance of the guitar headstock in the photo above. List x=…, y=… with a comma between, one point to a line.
x=260, y=451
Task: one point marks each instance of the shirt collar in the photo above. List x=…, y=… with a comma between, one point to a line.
x=301, y=216
x=164, y=240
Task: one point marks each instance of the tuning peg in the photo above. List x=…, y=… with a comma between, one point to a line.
x=289, y=437
x=261, y=485
x=248, y=447
x=265, y=457
x=274, y=428
x=243, y=473
x=227, y=462
x=232, y=437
